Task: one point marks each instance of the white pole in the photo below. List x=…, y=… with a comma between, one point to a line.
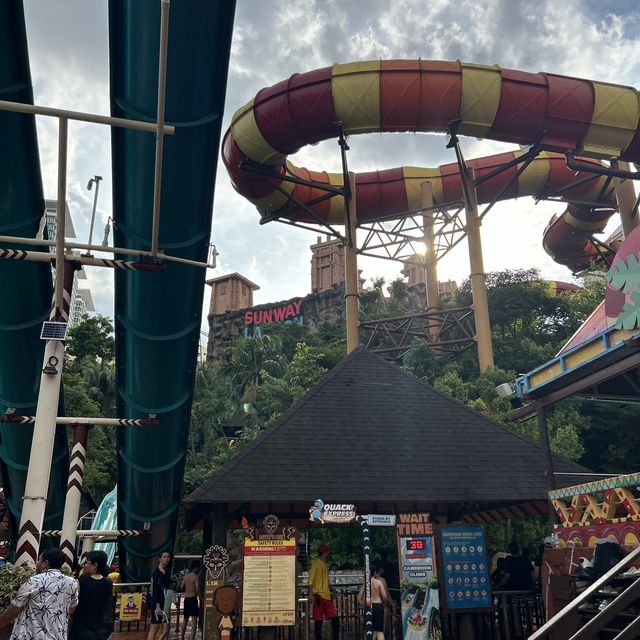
x=35, y=495
x=44, y=431
x=162, y=85
x=99, y=248
x=20, y=107
x=95, y=180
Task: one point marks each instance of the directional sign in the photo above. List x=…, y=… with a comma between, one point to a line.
x=380, y=520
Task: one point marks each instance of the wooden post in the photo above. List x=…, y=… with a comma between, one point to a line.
x=546, y=446
x=352, y=293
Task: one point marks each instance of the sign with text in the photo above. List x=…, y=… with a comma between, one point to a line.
x=332, y=513
x=380, y=520
x=130, y=607
x=465, y=568
x=269, y=582
x=419, y=600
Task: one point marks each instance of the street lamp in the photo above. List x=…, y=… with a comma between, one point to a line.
x=95, y=180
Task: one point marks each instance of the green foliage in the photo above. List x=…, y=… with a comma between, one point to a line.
x=89, y=391
x=92, y=338
x=277, y=394
x=250, y=358
x=421, y=361
x=526, y=533
x=12, y=577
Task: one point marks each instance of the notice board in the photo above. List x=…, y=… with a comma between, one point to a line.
x=269, y=582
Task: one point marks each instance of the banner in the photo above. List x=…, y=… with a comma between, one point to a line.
x=419, y=600
x=130, y=607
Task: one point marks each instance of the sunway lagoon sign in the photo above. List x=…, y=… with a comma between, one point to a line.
x=287, y=313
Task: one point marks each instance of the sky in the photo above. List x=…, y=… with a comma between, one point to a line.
x=272, y=39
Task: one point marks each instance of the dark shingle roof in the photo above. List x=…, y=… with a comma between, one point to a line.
x=368, y=431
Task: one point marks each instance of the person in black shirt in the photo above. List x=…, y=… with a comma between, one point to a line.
x=93, y=618
x=160, y=582
x=519, y=570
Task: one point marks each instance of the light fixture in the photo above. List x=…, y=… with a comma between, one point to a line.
x=50, y=367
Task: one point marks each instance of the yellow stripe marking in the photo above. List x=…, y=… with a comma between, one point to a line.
x=616, y=112
x=481, y=87
x=248, y=137
x=356, y=95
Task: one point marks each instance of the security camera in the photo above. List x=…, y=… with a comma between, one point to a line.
x=505, y=390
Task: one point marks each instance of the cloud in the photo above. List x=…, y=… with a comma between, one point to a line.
x=276, y=38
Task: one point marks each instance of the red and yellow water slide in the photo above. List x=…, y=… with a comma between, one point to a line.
x=557, y=113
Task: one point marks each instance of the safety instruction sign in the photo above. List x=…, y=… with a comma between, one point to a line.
x=269, y=584
x=465, y=568
x=130, y=607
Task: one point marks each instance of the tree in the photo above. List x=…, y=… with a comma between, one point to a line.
x=93, y=338
x=250, y=358
x=276, y=395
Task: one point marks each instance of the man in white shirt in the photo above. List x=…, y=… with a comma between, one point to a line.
x=44, y=602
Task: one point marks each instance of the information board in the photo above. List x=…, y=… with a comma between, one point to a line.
x=269, y=585
x=465, y=568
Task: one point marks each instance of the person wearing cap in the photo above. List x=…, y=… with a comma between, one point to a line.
x=320, y=592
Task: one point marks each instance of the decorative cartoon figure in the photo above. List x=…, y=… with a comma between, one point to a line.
x=315, y=513
x=224, y=600
x=215, y=560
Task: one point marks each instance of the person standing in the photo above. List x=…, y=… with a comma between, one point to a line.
x=379, y=600
x=160, y=582
x=42, y=606
x=93, y=619
x=320, y=592
x=191, y=586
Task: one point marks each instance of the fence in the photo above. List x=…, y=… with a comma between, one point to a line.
x=515, y=616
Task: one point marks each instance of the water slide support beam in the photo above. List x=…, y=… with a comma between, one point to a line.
x=430, y=257
x=626, y=197
x=478, y=276
x=476, y=262
x=74, y=494
x=352, y=295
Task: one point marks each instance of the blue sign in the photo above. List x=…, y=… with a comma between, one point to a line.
x=465, y=568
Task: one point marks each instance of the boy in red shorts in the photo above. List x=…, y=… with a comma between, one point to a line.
x=320, y=593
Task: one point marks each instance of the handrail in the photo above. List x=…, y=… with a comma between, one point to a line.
x=545, y=629
x=610, y=612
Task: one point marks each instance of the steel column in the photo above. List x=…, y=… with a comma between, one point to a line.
x=352, y=293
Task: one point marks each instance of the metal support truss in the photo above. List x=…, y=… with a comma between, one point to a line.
x=402, y=238
x=392, y=337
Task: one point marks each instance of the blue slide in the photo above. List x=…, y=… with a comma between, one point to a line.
x=25, y=287
x=158, y=315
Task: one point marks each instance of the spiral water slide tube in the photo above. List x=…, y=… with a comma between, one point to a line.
x=157, y=315
x=25, y=287
x=596, y=119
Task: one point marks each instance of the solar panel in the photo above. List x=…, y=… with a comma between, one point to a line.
x=54, y=331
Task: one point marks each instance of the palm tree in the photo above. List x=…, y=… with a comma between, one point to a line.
x=249, y=358
x=100, y=381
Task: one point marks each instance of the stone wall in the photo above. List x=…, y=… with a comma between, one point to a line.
x=316, y=309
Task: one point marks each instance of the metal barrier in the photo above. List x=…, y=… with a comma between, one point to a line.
x=120, y=590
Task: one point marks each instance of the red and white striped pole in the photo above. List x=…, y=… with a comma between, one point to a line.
x=74, y=494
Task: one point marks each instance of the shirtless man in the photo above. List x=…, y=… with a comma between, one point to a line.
x=379, y=598
x=191, y=586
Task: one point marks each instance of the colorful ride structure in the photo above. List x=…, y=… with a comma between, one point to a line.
x=553, y=116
